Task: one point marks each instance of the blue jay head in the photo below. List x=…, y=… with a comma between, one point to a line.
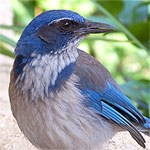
x=53, y=31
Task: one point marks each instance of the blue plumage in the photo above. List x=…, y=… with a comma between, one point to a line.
x=50, y=16
x=61, y=97
x=104, y=104
x=19, y=64
x=39, y=27
x=109, y=101
x=62, y=77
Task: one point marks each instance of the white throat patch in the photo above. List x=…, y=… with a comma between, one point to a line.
x=43, y=70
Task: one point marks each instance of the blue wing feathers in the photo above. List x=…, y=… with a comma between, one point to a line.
x=94, y=103
x=100, y=104
x=103, y=95
x=116, y=117
x=117, y=99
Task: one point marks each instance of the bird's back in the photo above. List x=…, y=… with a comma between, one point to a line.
x=97, y=84
x=92, y=72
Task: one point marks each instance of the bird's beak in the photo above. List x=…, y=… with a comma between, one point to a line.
x=94, y=27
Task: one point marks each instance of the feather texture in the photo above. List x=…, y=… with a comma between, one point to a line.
x=61, y=97
x=103, y=95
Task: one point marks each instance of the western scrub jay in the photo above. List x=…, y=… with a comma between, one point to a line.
x=63, y=98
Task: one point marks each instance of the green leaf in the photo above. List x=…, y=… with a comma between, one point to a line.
x=138, y=29
x=114, y=9
x=133, y=12
x=139, y=92
x=6, y=52
x=14, y=27
x=7, y=40
x=24, y=11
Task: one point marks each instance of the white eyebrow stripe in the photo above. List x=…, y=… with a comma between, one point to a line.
x=57, y=20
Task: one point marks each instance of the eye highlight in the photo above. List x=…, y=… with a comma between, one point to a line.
x=68, y=25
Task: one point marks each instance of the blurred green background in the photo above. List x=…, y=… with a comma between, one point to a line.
x=125, y=52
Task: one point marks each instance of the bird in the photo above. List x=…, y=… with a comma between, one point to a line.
x=61, y=96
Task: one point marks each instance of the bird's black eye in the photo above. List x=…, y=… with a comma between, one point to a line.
x=68, y=25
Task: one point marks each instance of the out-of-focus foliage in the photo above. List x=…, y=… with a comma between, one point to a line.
x=133, y=15
x=124, y=52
